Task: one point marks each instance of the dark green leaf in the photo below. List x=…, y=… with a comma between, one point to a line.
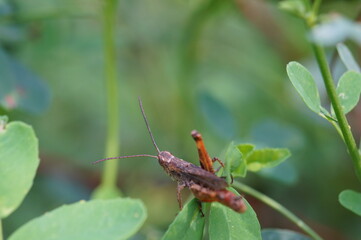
x=347, y=58
x=20, y=87
x=285, y=173
x=348, y=90
x=218, y=115
x=281, y=234
x=265, y=158
x=305, y=85
x=224, y=223
x=113, y=219
x=5, y=9
x=18, y=163
x=351, y=200
x=11, y=33
x=188, y=224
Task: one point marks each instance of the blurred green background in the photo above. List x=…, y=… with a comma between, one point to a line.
x=212, y=65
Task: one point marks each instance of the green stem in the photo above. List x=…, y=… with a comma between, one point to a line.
x=109, y=176
x=278, y=207
x=316, y=7
x=1, y=230
x=341, y=118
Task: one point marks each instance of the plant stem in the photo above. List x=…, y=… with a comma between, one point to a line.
x=341, y=118
x=316, y=7
x=112, y=142
x=1, y=230
x=278, y=207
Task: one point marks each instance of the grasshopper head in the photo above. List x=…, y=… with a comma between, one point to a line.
x=165, y=157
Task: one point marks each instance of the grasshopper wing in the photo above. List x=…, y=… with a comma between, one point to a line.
x=204, y=178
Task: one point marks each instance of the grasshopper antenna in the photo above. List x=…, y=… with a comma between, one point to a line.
x=147, y=124
x=130, y=156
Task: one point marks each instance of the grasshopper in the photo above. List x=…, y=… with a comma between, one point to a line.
x=202, y=181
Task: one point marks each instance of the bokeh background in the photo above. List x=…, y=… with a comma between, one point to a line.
x=212, y=65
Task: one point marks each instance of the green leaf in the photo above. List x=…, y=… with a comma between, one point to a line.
x=245, y=149
x=296, y=7
x=351, y=200
x=224, y=223
x=235, y=164
x=305, y=85
x=347, y=58
x=18, y=163
x=217, y=114
x=113, y=219
x=188, y=224
x=348, y=90
x=265, y=158
x=21, y=89
x=285, y=173
x=272, y=234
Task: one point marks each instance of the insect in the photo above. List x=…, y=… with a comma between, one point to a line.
x=203, y=183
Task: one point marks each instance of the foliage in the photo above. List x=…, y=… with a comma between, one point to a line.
x=344, y=97
x=21, y=89
x=244, y=157
x=110, y=219
x=211, y=65
x=188, y=224
x=19, y=161
x=224, y=223
x=351, y=200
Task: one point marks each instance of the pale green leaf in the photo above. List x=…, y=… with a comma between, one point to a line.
x=347, y=58
x=296, y=7
x=351, y=200
x=113, y=219
x=188, y=224
x=18, y=163
x=305, y=85
x=265, y=158
x=224, y=223
x=245, y=149
x=348, y=90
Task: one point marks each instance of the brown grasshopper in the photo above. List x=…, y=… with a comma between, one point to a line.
x=204, y=184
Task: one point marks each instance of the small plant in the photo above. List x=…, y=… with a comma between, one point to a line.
x=109, y=214
x=343, y=97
